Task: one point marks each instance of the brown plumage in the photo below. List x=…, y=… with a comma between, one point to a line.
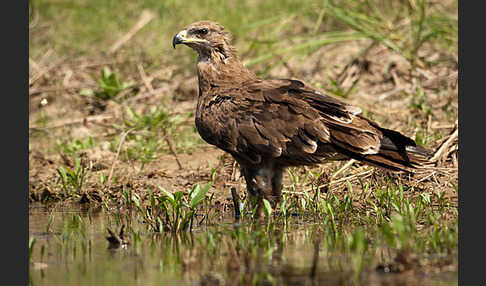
x=268, y=125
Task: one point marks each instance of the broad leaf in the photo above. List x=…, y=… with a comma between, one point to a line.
x=268, y=207
x=168, y=194
x=200, y=195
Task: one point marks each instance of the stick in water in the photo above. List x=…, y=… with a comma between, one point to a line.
x=236, y=203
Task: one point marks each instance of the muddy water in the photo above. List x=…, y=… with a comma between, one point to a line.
x=73, y=250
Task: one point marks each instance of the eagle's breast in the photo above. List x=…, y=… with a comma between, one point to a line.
x=214, y=121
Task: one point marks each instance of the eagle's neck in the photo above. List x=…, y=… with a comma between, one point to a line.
x=220, y=68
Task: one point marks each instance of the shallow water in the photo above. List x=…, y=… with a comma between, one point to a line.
x=75, y=252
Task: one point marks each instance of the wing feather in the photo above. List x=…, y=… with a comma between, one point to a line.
x=288, y=120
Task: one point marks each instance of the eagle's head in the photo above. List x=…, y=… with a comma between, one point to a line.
x=205, y=37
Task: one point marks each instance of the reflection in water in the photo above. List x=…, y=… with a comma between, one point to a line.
x=75, y=251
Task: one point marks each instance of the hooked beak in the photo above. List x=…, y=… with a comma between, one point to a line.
x=181, y=38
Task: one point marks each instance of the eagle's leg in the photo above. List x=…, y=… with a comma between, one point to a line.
x=259, y=184
x=277, y=184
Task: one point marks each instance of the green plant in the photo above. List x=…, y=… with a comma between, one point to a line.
x=102, y=178
x=172, y=212
x=73, y=146
x=31, y=246
x=154, y=132
x=72, y=180
x=109, y=85
x=267, y=208
x=417, y=102
x=402, y=26
x=155, y=119
x=49, y=223
x=337, y=90
x=358, y=246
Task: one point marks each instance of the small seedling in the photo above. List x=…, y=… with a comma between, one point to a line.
x=109, y=85
x=31, y=246
x=49, y=223
x=72, y=180
x=267, y=208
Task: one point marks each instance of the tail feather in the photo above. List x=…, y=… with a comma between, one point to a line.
x=398, y=161
x=399, y=152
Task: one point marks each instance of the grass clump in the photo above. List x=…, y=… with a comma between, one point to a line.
x=109, y=85
x=72, y=147
x=151, y=133
x=402, y=26
x=170, y=212
x=72, y=180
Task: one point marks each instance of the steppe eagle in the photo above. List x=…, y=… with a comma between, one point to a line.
x=270, y=124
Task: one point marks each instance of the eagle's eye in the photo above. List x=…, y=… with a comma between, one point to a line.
x=202, y=31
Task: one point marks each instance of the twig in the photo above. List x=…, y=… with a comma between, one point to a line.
x=361, y=55
x=347, y=165
x=426, y=74
x=54, y=89
x=315, y=259
x=34, y=64
x=74, y=64
x=44, y=71
x=144, y=95
x=362, y=175
x=67, y=77
x=145, y=79
x=75, y=121
x=444, y=126
x=40, y=74
x=426, y=177
x=173, y=150
x=293, y=192
x=391, y=92
x=445, y=145
x=233, y=171
x=236, y=203
x=145, y=17
x=118, y=153
x=33, y=16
